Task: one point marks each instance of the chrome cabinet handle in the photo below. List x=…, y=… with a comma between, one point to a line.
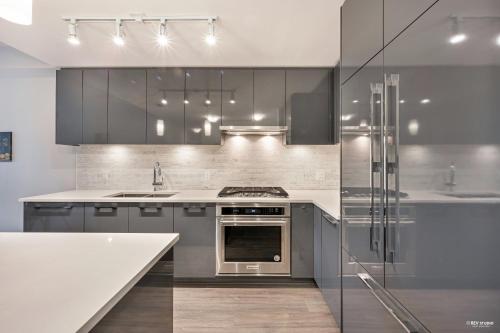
x=66, y=206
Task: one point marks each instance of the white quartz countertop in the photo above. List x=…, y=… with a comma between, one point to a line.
x=66, y=282
x=327, y=200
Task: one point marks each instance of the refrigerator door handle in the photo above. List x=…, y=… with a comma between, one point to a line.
x=391, y=166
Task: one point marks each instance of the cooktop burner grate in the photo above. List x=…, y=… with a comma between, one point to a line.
x=259, y=192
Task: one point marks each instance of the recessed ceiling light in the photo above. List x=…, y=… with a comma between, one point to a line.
x=425, y=101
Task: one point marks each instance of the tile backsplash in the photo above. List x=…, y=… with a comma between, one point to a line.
x=240, y=161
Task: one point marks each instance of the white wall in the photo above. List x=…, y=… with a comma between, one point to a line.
x=27, y=108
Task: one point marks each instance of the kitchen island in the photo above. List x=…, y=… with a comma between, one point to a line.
x=80, y=282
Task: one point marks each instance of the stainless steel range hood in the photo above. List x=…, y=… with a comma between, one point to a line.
x=254, y=130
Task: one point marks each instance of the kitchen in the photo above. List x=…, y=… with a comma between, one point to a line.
x=349, y=186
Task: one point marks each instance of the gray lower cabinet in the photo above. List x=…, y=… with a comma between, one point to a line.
x=69, y=106
x=106, y=217
x=302, y=246
x=317, y=245
x=127, y=106
x=330, y=263
x=151, y=217
x=53, y=217
x=194, y=255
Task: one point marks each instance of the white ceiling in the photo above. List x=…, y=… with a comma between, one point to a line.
x=250, y=33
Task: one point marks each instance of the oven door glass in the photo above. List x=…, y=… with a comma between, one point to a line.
x=252, y=243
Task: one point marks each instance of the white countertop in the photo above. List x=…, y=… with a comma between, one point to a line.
x=327, y=200
x=66, y=282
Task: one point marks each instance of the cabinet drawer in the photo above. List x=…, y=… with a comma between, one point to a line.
x=53, y=217
x=106, y=217
x=151, y=217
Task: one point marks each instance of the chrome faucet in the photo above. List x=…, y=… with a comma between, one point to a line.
x=451, y=177
x=157, y=177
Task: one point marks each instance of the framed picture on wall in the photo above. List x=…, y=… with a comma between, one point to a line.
x=5, y=146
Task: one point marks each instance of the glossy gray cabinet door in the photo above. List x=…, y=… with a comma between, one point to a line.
x=362, y=34
x=151, y=217
x=165, y=116
x=53, y=217
x=127, y=106
x=398, y=14
x=106, y=217
x=203, y=113
x=330, y=266
x=194, y=255
x=269, y=97
x=308, y=106
x=69, y=107
x=237, y=97
x=95, y=106
x=317, y=245
x=302, y=244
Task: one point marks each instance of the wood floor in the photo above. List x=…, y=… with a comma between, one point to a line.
x=251, y=310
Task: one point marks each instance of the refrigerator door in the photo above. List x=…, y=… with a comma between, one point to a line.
x=443, y=149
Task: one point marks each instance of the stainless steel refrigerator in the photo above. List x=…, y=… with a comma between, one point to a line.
x=420, y=178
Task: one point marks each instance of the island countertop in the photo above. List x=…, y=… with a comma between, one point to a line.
x=66, y=282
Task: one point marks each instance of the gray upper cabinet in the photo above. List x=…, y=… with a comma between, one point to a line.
x=362, y=33
x=194, y=255
x=203, y=112
x=95, y=106
x=127, y=106
x=302, y=240
x=69, y=106
x=165, y=116
x=269, y=97
x=237, y=97
x=53, y=217
x=398, y=14
x=151, y=217
x=106, y=217
x=308, y=106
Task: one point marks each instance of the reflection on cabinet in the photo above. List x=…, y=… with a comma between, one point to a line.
x=269, y=97
x=106, y=217
x=362, y=33
x=237, y=97
x=165, y=100
x=308, y=106
x=203, y=112
x=95, y=106
x=302, y=243
x=127, y=106
x=151, y=217
x=194, y=254
x=69, y=107
x=53, y=217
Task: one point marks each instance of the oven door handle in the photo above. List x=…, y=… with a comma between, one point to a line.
x=254, y=222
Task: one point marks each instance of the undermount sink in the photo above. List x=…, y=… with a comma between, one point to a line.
x=141, y=195
x=472, y=195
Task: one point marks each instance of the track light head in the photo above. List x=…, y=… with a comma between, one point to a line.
x=210, y=38
x=72, y=33
x=119, y=37
x=162, y=37
x=458, y=36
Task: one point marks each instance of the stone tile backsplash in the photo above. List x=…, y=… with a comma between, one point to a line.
x=240, y=161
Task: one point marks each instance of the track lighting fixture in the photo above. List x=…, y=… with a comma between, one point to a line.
x=162, y=37
x=119, y=37
x=72, y=34
x=210, y=38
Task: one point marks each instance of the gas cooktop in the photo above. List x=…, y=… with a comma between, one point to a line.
x=249, y=192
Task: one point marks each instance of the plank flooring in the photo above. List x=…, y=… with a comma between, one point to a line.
x=251, y=310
